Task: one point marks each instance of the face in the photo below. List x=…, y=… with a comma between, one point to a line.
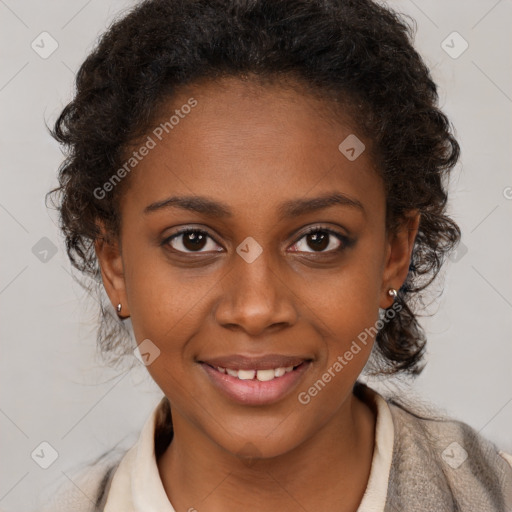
x=253, y=255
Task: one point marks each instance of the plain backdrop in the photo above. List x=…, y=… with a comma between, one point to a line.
x=53, y=387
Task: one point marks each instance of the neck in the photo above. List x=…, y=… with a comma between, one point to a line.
x=328, y=471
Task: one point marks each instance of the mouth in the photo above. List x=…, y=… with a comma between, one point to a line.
x=256, y=381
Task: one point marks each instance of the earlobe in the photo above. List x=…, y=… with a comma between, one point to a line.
x=112, y=272
x=399, y=252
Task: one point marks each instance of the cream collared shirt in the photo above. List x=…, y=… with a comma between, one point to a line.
x=137, y=487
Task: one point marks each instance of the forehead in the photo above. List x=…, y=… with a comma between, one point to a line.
x=251, y=145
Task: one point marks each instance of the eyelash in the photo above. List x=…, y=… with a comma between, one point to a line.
x=345, y=241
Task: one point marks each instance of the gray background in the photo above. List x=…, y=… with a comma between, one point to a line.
x=53, y=385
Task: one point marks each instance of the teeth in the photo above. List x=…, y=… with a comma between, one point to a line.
x=261, y=375
x=246, y=374
x=264, y=375
x=280, y=372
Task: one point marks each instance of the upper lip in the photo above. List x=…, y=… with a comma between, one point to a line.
x=266, y=362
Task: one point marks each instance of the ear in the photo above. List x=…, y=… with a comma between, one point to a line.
x=110, y=261
x=398, y=258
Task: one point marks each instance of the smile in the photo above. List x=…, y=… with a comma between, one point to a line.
x=256, y=386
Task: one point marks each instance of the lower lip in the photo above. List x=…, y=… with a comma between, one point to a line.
x=254, y=392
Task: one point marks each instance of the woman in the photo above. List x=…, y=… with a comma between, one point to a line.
x=260, y=187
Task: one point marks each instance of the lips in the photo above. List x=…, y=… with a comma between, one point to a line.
x=256, y=380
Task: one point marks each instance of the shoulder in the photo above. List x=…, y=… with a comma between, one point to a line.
x=445, y=463
x=84, y=489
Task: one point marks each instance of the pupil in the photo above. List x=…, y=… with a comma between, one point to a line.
x=320, y=241
x=193, y=240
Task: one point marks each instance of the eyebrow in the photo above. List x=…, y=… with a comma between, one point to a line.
x=287, y=209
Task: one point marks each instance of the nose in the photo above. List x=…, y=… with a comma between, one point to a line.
x=255, y=298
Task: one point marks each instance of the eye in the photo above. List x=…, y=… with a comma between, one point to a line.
x=319, y=239
x=190, y=240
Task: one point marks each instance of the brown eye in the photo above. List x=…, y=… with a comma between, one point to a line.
x=190, y=240
x=320, y=239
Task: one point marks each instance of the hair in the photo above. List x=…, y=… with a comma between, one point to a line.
x=354, y=53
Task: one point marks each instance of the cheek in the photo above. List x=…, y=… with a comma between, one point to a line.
x=350, y=296
x=154, y=291
x=346, y=307
x=351, y=321
x=348, y=325
x=166, y=308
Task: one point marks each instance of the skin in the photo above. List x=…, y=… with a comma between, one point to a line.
x=253, y=147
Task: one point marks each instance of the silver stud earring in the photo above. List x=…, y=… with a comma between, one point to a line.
x=119, y=307
x=393, y=293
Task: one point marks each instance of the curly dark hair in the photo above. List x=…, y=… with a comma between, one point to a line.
x=355, y=53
